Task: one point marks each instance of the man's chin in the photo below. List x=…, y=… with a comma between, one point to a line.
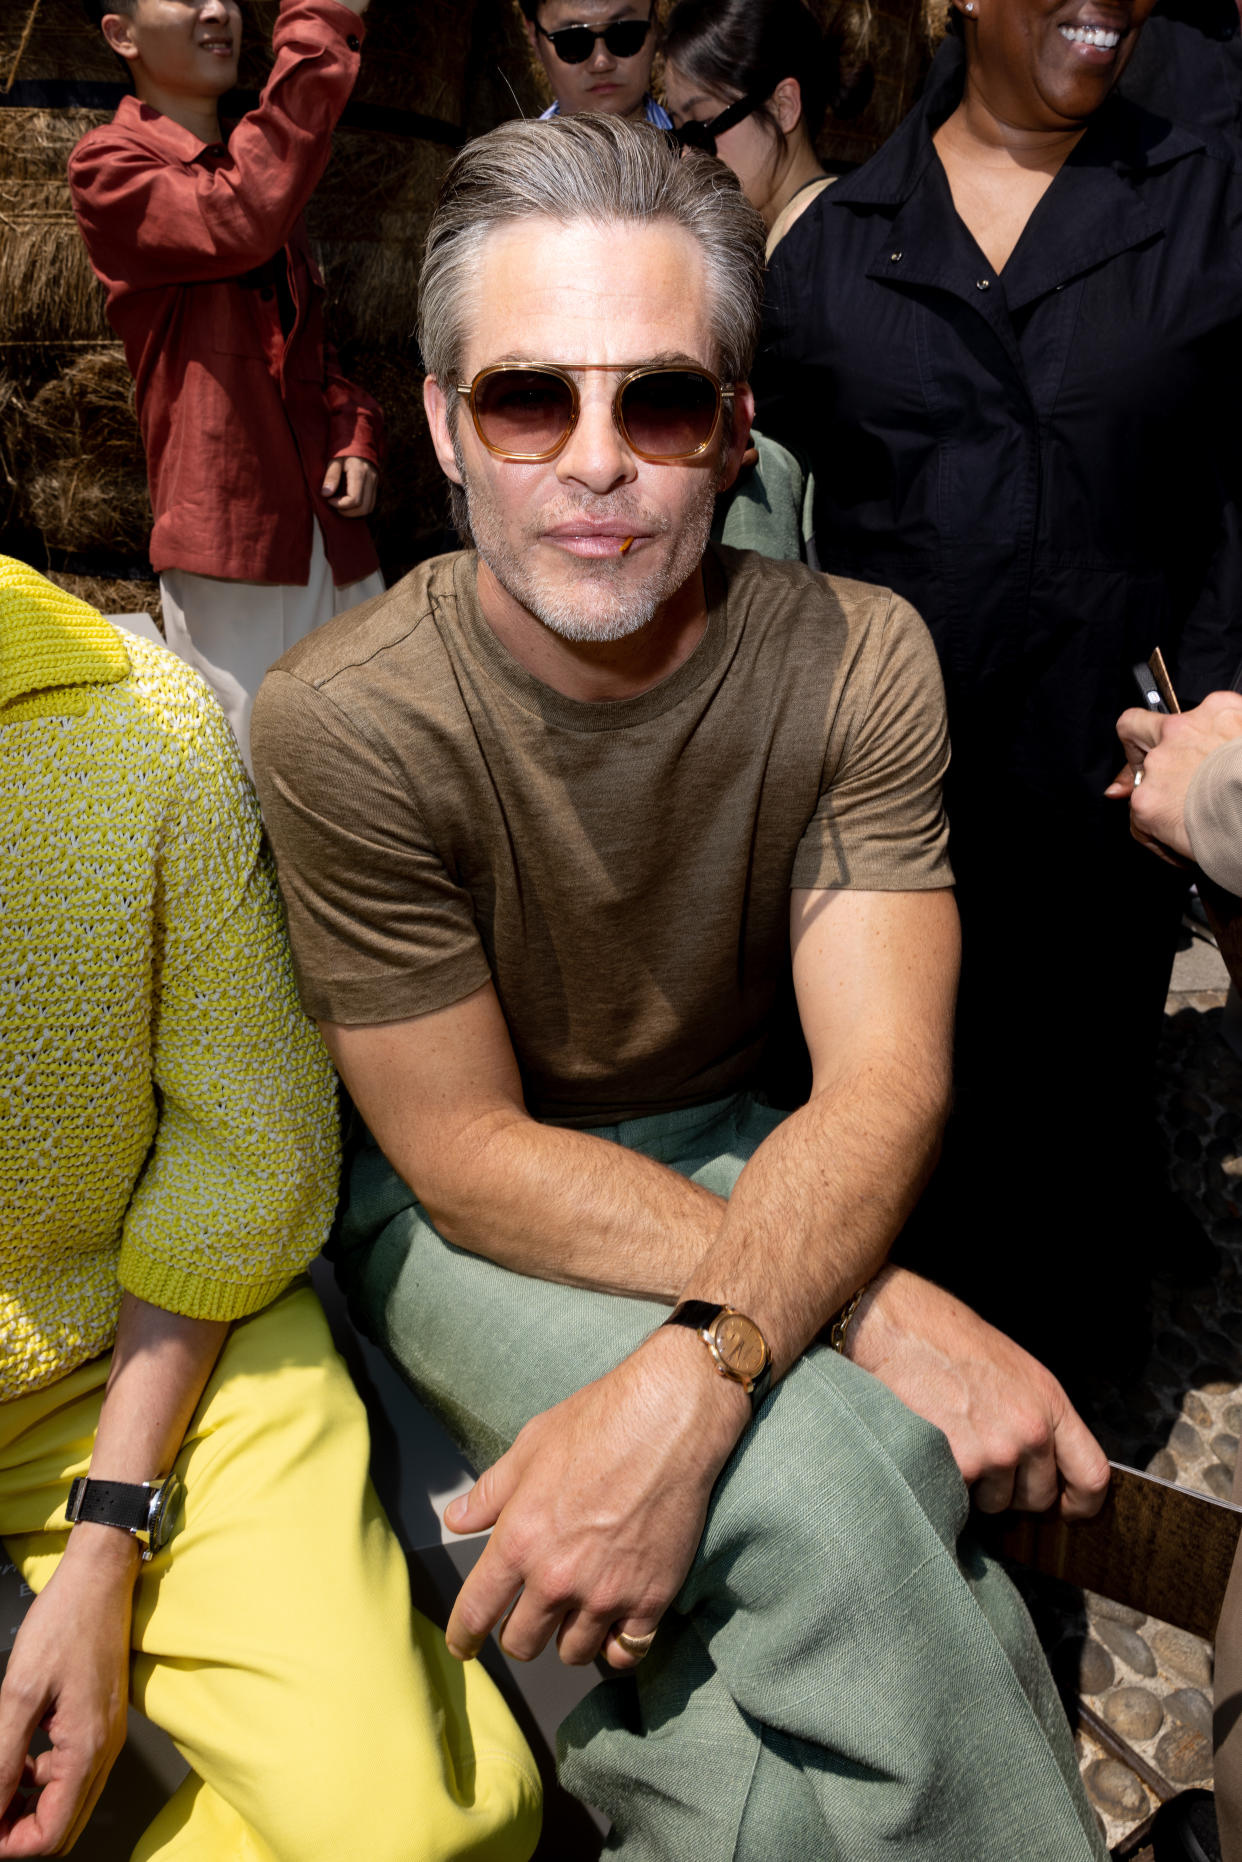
x=583, y=620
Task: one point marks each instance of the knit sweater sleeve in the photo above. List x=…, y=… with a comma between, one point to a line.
x=239, y=1186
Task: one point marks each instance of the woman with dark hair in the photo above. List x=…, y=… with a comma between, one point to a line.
x=750, y=81
x=1010, y=347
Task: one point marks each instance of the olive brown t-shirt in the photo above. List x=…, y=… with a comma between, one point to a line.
x=619, y=870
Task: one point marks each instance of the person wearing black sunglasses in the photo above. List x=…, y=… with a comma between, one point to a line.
x=596, y=55
x=749, y=81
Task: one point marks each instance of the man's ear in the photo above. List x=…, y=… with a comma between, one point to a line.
x=117, y=28
x=739, y=439
x=786, y=102
x=435, y=405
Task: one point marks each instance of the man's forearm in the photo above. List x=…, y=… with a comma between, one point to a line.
x=816, y=1208
x=565, y=1205
x=812, y=1215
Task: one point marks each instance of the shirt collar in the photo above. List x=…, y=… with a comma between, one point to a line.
x=49, y=639
x=1120, y=135
x=159, y=131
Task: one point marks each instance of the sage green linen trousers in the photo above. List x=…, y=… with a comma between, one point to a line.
x=844, y=1677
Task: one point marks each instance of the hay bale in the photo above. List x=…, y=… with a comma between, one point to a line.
x=48, y=293
x=367, y=221
x=113, y=596
x=417, y=55
x=82, y=479
x=63, y=44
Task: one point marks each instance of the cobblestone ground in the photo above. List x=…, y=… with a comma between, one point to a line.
x=1181, y=1419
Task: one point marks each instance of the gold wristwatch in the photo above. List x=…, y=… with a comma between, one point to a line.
x=739, y=1351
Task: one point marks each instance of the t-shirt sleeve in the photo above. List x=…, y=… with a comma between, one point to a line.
x=381, y=929
x=880, y=824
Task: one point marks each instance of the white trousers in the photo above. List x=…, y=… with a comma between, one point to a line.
x=232, y=632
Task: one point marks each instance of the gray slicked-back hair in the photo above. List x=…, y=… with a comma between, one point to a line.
x=598, y=168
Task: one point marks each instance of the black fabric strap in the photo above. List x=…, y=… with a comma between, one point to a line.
x=109, y=1503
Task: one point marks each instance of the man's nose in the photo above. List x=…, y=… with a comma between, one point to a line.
x=217, y=11
x=595, y=455
x=601, y=58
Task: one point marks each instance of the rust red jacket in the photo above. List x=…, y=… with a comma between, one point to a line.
x=197, y=244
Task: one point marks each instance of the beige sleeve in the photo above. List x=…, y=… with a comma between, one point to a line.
x=1214, y=815
x=880, y=825
x=380, y=929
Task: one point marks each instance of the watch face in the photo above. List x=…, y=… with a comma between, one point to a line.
x=160, y=1512
x=740, y=1344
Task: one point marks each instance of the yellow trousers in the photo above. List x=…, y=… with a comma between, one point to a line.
x=322, y=1717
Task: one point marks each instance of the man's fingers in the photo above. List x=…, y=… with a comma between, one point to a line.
x=331, y=478
x=530, y=1626
x=485, y=1597
x=1083, y=1466
x=639, y=1633
x=993, y=1491
x=481, y=1507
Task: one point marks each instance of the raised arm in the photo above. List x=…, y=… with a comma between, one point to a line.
x=149, y=220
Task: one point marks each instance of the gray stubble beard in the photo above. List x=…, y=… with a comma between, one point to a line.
x=633, y=606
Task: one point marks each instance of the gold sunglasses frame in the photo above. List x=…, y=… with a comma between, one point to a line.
x=724, y=392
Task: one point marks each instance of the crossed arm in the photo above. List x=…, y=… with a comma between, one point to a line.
x=599, y=1505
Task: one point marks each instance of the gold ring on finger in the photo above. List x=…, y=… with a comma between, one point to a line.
x=636, y=1646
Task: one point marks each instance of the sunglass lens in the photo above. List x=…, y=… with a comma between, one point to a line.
x=670, y=413
x=626, y=37
x=523, y=410
x=573, y=45
x=697, y=136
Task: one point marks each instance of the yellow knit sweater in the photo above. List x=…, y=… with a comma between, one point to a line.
x=167, y=1122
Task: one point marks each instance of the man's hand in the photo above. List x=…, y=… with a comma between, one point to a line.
x=349, y=482
x=1169, y=750
x=598, y=1507
x=69, y=1673
x=1014, y=1433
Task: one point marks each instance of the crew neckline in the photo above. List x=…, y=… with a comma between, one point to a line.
x=586, y=714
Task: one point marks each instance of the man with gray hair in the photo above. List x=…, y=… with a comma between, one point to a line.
x=575, y=830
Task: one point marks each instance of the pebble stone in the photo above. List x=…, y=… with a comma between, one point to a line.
x=1106, y=1609
x=1219, y=1481
x=1183, y=1657
x=1128, y=1645
x=1184, y=1438
x=1134, y=1712
x=1191, y=1707
x=1163, y=1466
x=1115, y=1789
x=1183, y=1755
x=1095, y=1669
x=1225, y=1448
x=1197, y=1410
x=1232, y=1417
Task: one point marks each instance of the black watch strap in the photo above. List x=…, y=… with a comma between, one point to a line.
x=109, y=1503
x=697, y=1314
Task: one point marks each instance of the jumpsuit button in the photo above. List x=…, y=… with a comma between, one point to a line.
x=983, y=284
x=895, y=258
